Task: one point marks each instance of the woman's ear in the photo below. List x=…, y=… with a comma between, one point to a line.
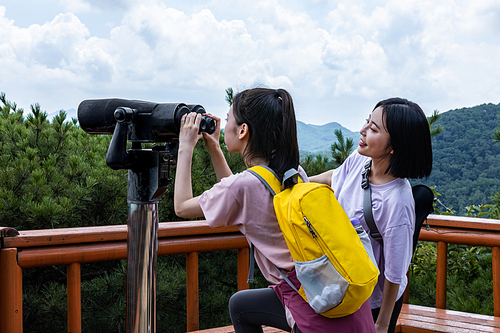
x=243, y=131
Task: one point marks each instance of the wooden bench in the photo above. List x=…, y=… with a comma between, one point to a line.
x=421, y=319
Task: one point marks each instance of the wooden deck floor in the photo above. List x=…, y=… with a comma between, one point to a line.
x=421, y=319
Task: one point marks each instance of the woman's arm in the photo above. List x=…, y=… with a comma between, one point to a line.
x=389, y=298
x=184, y=203
x=323, y=178
x=212, y=143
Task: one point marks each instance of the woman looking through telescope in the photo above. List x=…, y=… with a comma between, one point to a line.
x=261, y=126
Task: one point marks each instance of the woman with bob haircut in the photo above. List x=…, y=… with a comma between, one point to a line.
x=261, y=127
x=396, y=140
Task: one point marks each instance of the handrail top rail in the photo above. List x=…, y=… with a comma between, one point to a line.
x=463, y=222
x=79, y=235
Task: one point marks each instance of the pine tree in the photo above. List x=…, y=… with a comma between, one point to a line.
x=432, y=121
x=229, y=96
x=342, y=148
x=54, y=174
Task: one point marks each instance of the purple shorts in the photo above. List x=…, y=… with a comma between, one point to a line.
x=307, y=320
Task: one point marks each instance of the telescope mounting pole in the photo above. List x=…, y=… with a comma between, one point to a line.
x=148, y=178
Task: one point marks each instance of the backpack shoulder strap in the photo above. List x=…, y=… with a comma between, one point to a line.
x=367, y=204
x=424, y=199
x=273, y=184
x=271, y=180
x=267, y=176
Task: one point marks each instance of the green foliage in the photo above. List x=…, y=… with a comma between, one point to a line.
x=469, y=282
x=229, y=96
x=477, y=210
x=342, y=148
x=314, y=165
x=432, y=121
x=425, y=259
x=40, y=301
x=466, y=165
x=496, y=135
x=54, y=175
x=423, y=275
x=494, y=212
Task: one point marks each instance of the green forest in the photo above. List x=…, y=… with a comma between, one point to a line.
x=466, y=167
x=54, y=175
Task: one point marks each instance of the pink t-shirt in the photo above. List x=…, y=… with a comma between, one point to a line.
x=394, y=215
x=242, y=200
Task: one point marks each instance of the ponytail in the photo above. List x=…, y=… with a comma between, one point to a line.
x=270, y=117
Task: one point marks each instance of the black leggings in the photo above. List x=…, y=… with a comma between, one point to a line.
x=394, y=317
x=252, y=308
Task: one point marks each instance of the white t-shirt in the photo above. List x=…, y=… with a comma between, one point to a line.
x=394, y=215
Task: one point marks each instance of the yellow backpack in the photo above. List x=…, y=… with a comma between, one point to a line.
x=333, y=259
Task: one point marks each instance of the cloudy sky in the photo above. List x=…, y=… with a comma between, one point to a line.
x=336, y=58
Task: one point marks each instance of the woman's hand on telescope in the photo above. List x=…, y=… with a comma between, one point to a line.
x=189, y=132
x=212, y=143
x=212, y=140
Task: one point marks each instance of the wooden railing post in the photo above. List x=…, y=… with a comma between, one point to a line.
x=74, y=298
x=495, y=251
x=11, y=292
x=193, y=317
x=441, y=274
x=243, y=262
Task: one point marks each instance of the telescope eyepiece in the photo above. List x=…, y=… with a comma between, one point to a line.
x=207, y=125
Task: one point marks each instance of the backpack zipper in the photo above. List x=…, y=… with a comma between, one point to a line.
x=310, y=227
x=325, y=249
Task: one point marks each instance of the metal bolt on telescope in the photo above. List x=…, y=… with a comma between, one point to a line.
x=148, y=178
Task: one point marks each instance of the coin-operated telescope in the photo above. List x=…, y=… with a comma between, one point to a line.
x=148, y=178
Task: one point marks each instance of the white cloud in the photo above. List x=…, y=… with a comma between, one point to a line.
x=337, y=58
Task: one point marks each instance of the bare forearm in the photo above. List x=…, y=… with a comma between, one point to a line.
x=183, y=190
x=220, y=164
x=323, y=178
x=183, y=186
x=389, y=298
x=184, y=203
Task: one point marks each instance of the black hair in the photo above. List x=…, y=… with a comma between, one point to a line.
x=272, y=127
x=410, y=138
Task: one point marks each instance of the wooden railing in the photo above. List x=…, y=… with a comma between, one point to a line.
x=75, y=246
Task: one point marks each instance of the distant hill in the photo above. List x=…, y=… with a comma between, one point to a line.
x=71, y=113
x=319, y=138
x=466, y=168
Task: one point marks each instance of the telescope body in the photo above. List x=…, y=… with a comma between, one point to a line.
x=150, y=122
